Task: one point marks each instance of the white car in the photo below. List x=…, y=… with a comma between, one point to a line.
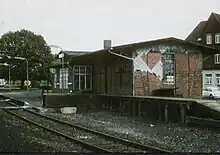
x=211, y=92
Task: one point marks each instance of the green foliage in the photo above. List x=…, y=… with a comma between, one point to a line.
x=28, y=45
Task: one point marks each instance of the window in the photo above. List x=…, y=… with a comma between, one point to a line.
x=209, y=38
x=208, y=78
x=70, y=75
x=217, y=38
x=55, y=80
x=82, y=77
x=209, y=89
x=217, y=79
x=168, y=68
x=170, y=79
x=217, y=58
x=64, y=78
x=76, y=82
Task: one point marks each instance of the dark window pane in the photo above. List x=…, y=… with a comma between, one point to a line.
x=82, y=82
x=70, y=76
x=208, y=75
x=88, y=82
x=76, y=69
x=88, y=70
x=76, y=81
x=82, y=69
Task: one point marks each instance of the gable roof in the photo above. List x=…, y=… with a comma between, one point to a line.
x=164, y=40
x=197, y=31
x=141, y=44
x=72, y=53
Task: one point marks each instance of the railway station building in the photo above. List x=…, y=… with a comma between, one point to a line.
x=164, y=67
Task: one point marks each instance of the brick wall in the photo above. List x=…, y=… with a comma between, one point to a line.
x=145, y=83
x=188, y=74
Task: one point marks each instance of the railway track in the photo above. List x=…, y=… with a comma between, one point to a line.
x=93, y=140
x=203, y=122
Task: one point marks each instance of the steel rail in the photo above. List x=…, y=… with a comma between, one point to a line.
x=87, y=145
x=146, y=148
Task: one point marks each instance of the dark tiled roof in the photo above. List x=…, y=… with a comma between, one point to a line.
x=217, y=16
x=163, y=40
x=147, y=43
x=195, y=34
x=75, y=53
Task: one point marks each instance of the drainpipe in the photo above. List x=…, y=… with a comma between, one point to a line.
x=106, y=82
x=133, y=81
x=148, y=79
x=119, y=55
x=188, y=74
x=175, y=73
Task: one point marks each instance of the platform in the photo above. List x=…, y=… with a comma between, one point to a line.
x=212, y=104
x=162, y=108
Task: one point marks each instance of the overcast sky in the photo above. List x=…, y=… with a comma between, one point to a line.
x=84, y=24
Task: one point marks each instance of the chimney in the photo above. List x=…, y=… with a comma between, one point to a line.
x=107, y=44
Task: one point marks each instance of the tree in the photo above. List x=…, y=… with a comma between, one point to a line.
x=26, y=44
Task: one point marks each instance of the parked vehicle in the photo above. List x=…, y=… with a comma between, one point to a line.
x=211, y=92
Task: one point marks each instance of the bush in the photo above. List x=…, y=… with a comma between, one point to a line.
x=35, y=84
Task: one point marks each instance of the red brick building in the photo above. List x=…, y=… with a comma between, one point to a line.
x=141, y=68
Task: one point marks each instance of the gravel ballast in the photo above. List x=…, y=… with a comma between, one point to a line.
x=19, y=136
x=171, y=136
x=79, y=134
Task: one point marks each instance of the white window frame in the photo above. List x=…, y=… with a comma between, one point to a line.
x=209, y=79
x=217, y=77
x=64, y=78
x=217, y=38
x=217, y=58
x=169, y=79
x=208, y=38
x=82, y=74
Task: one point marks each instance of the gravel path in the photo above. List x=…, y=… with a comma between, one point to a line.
x=171, y=136
x=18, y=136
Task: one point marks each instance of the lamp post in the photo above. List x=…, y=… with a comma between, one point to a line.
x=62, y=62
x=27, y=74
x=9, y=77
x=9, y=73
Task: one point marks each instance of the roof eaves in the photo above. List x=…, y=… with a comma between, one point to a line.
x=140, y=43
x=149, y=42
x=166, y=39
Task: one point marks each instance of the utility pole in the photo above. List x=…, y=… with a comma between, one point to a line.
x=9, y=77
x=61, y=55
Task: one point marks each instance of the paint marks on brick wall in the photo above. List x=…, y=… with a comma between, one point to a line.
x=150, y=69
